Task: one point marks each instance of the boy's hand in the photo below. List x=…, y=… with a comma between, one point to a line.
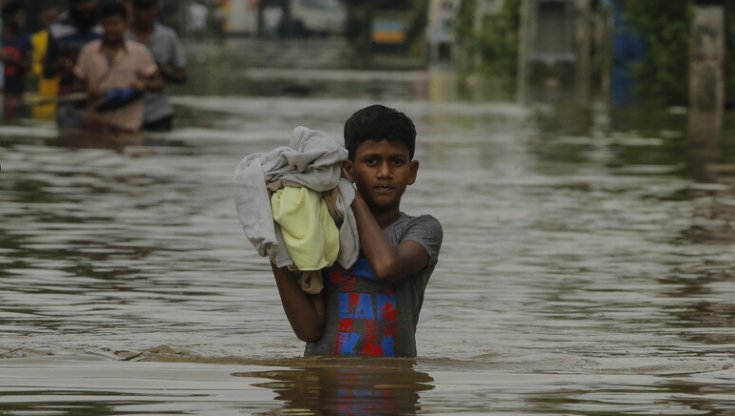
x=345, y=171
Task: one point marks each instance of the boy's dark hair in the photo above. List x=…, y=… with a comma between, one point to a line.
x=112, y=8
x=145, y=4
x=378, y=122
x=11, y=8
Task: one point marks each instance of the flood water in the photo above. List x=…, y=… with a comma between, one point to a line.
x=581, y=273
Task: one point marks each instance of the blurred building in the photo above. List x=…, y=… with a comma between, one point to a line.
x=441, y=29
x=319, y=16
x=283, y=18
x=555, y=47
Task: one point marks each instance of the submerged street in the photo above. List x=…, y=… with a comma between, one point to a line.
x=584, y=272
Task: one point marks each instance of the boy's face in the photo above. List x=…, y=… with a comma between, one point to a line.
x=114, y=28
x=382, y=171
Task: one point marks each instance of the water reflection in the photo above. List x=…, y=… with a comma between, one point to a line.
x=700, y=311
x=347, y=387
x=96, y=139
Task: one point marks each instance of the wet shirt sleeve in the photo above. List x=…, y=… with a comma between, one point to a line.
x=427, y=231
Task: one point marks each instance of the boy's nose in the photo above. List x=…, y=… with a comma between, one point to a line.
x=384, y=170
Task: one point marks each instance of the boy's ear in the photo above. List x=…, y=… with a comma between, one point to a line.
x=347, y=170
x=414, y=167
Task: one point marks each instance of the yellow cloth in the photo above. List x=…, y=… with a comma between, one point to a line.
x=309, y=232
x=47, y=87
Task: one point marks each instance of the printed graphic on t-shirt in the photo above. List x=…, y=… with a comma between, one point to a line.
x=368, y=321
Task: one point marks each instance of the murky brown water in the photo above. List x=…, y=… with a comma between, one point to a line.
x=580, y=274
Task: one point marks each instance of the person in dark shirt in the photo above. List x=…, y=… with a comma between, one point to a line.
x=16, y=57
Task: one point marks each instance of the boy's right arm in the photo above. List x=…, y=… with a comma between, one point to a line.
x=390, y=263
x=305, y=312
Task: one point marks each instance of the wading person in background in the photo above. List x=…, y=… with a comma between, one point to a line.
x=115, y=72
x=372, y=307
x=166, y=49
x=16, y=57
x=77, y=27
x=48, y=88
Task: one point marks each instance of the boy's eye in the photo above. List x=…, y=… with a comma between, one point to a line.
x=397, y=161
x=371, y=161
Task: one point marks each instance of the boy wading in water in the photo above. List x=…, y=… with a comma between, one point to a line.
x=373, y=308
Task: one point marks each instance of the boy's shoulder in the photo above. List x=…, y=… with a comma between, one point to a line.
x=424, y=229
x=405, y=221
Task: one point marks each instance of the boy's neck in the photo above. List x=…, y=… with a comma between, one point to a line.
x=386, y=218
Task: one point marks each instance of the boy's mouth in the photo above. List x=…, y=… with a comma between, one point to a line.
x=383, y=188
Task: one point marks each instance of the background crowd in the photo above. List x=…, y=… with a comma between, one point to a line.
x=98, y=65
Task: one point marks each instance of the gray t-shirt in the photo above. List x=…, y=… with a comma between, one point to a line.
x=366, y=317
x=166, y=49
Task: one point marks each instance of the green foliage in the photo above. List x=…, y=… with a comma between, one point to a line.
x=417, y=22
x=465, y=24
x=666, y=27
x=496, y=43
x=663, y=75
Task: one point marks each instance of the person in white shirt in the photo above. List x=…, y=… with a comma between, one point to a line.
x=164, y=45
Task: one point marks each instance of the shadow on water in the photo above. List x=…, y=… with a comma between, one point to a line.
x=347, y=387
x=85, y=139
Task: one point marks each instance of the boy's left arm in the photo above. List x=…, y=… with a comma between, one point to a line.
x=305, y=312
x=389, y=263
